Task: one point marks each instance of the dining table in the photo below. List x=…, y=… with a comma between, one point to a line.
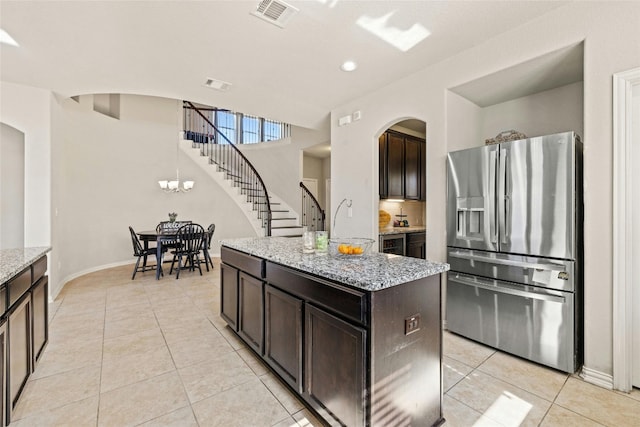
x=161, y=237
x=165, y=235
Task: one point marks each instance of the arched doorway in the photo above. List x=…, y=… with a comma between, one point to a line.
x=402, y=178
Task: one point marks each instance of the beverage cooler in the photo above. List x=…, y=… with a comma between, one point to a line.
x=393, y=244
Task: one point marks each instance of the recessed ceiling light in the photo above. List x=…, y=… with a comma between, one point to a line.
x=348, y=66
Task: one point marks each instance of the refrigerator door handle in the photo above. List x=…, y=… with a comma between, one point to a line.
x=502, y=191
x=493, y=165
x=509, y=262
x=479, y=283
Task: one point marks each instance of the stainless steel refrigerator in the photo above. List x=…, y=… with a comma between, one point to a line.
x=514, y=237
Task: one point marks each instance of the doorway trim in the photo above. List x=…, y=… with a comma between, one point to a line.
x=623, y=84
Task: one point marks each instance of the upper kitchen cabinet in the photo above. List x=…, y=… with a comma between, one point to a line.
x=401, y=166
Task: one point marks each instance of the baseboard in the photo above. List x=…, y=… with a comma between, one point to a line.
x=67, y=279
x=597, y=378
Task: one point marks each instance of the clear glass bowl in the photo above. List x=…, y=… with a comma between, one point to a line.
x=350, y=246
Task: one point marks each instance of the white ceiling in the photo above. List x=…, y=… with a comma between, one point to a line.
x=170, y=48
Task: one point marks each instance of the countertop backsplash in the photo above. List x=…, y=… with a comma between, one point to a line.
x=415, y=211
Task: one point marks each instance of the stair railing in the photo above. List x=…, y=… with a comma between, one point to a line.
x=313, y=215
x=228, y=158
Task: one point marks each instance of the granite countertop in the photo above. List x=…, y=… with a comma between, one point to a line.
x=13, y=261
x=372, y=272
x=400, y=230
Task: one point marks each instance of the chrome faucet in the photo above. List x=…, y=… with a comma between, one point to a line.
x=335, y=215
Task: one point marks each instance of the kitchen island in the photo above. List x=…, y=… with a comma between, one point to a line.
x=357, y=338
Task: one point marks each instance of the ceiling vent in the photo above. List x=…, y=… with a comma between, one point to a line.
x=217, y=84
x=276, y=12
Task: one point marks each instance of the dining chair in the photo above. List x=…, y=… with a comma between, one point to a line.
x=142, y=253
x=207, y=245
x=190, y=238
x=172, y=226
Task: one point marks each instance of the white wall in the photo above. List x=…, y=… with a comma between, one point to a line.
x=280, y=163
x=544, y=113
x=464, y=123
x=105, y=175
x=11, y=187
x=28, y=110
x=611, y=44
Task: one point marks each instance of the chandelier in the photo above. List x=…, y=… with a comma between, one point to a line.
x=174, y=185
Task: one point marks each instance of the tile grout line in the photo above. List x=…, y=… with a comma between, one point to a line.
x=177, y=371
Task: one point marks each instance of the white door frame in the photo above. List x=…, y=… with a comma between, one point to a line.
x=622, y=228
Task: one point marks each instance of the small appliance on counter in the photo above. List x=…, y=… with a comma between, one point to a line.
x=401, y=222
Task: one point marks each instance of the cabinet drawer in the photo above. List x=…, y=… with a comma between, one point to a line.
x=3, y=300
x=339, y=299
x=416, y=238
x=39, y=268
x=247, y=263
x=19, y=285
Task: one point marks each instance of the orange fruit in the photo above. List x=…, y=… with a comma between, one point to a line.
x=358, y=250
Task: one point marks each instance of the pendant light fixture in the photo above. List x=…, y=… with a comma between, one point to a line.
x=175, y=186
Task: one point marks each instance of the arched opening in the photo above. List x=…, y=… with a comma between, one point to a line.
x=402, y=178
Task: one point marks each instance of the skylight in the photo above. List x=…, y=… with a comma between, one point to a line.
x=6, y=38
x=400, y=39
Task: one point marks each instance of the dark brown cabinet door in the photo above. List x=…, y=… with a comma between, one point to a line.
x=416, y=245
x=382, y=166
x=283, y=335
x=412, y=168
x=19, y=350
x=229, y=295
x=250, y=306
x=402, y=166
x=3, y=371
x=40, y=306
x=335, y=367
x=395, y=166
x=423, y=171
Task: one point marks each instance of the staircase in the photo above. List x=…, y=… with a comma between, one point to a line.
x=268, y=214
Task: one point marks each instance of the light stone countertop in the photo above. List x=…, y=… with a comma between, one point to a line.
x=13, y=261
x=371, y=272
x=402, y=230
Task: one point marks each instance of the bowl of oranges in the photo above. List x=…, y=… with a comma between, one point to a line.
x=352, y=246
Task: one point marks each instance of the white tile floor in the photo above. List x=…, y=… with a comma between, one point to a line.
x=156, y=353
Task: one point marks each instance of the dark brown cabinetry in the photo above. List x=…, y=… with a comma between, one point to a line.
x=24, y=331
x=250, y=306
x=19, y=349
x=416, y=245
x=3, y=371
x=229, y=295
x=335, y=367
x=40, y=304
x=283, y=335
x=345, y=351
x=402, y=166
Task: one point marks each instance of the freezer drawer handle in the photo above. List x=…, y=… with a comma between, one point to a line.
x=508, y=262
x=508, y=291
